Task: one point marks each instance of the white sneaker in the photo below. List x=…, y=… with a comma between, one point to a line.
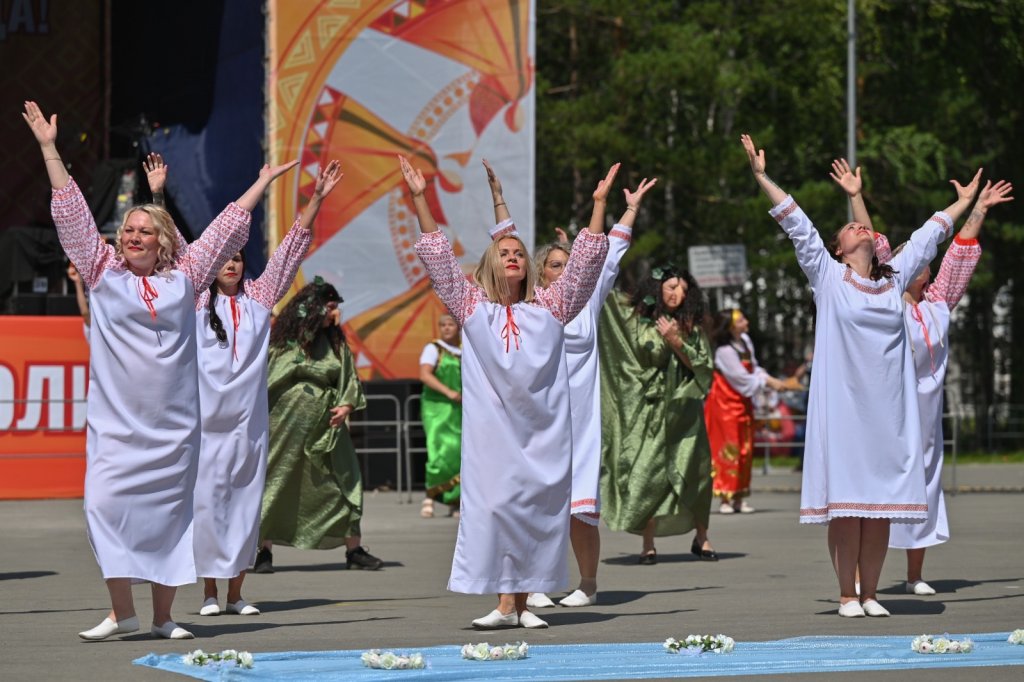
x=851, y=609
x=746, y=508
x=874, y=609
x=920, y=587
x=579, y=598
x=108, y=627
x=539, y=600
x=528, y=620
x=497, y=619
x=242, y=608
x=210, y=608
x=726, y=508
x=170, y=630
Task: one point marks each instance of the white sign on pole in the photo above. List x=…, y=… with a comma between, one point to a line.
x=720, y=265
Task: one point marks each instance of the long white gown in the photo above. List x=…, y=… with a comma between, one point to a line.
x=516, y=424
x=928, y=324
x=863, y=446
x=235, y=415
x=142, y=442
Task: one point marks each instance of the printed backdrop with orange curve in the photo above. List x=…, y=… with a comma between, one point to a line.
x=446, y=83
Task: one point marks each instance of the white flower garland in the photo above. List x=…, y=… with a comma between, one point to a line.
x=485, y=652
x=698, y=644
x=926, y=644
x=227, y=658
x=1016, y=637
x=389, y=660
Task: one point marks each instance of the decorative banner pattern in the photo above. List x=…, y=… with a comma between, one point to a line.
x=446, y=83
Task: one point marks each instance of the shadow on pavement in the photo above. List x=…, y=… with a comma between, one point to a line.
x=298, y=604
x=897, y=607
x=328, y=567
x=949, y=586
x=618, y=597
x=688, y=557
x=22, y=575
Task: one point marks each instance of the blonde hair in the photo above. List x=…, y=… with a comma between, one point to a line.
x=166, y=235
x=489, y=274
x=540, y=259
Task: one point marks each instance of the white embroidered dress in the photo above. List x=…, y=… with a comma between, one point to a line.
x=235, y=416
x=142, y=443
x=516, y=423
x=928, y=325
x=863, y=445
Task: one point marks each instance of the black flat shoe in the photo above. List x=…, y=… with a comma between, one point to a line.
x=649, y=559
x=703, y=554
x=264, y=561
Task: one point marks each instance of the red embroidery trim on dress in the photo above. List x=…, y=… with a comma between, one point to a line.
x=848, y=278
x=942, y=221
x=147, y=293
x=589, y=502
x=504, y=232
x=510, y=330
x=865, y=507
x=786, y=212
x=236, y=317
x=621, y=234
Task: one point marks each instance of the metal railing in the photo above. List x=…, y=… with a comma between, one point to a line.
x=395, y=425
x=407, y=429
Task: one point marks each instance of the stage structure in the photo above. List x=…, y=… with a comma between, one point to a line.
x=446, y=83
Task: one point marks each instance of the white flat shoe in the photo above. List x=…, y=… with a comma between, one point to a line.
x=746, y=508
x=242, y=608
x=874, y=609
x=579, y=598
x=497, y=619
x=539, y=600
x=528, y=620
x=851, y=609
x=108, y=627
x=171, y=630
x=920, y=587
x=210, y=608
x=726, y=508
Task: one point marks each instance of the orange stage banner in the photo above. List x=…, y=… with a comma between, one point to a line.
x=446, y=83
x=44, y=373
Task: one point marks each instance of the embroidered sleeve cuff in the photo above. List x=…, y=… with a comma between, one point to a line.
x=965, y=242
x=505, y=228
x=942, y=218
x=588, y=236
x=784, y=209
x=435, y=236
x=621, y=232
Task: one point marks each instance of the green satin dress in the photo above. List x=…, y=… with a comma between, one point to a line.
x=442, y=423
x=655, y=456
x=314, y=493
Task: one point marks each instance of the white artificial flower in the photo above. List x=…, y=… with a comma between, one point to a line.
x=524, y=649
x=497, y=653
x=245, y=659
x=388, y=660
x=941, y=645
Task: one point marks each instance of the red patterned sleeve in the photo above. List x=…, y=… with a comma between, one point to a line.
x=883, y=250
x=272, y=285
x=225, y=237
x=958, y=265
x=450, y=284
x=77, y=232
x=568, y=295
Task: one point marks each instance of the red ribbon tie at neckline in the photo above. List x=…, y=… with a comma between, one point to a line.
x=510, y=330
x=236, y=318
x=147, y=293
x=915, y=312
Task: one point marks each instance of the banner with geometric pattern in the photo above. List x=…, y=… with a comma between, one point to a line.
x=446, y=83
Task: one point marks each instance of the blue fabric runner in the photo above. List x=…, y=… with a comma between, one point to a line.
x=616, y=661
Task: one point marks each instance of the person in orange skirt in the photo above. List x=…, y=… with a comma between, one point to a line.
x=728, y=411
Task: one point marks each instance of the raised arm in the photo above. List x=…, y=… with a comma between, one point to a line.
x=964, y=196
x=757, y=166
x=964, y=253
x=45, y=132
x=501, y=212
x=851, y=183
x=619, y=240
x=273, y=284
x=435, y=251
x=156, y=178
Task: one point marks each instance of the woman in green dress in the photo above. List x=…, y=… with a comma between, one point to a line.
x=314, y=493
x=441, y=414
x=656, y=368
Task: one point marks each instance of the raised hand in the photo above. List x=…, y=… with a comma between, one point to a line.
x=492, y=179
x=156, y=172
x=965, y=193
x=605, y=186
x=756, y=157
x=562, y=237
x=849, y=180
x=994, y=194
x=633, y=199
x=413, y=177
x=270, y=174
x=327, y=179
x=45, y=131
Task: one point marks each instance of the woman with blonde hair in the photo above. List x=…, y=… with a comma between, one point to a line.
x=142, y=444
x=516, y=458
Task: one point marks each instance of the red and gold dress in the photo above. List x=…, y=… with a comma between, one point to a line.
x=729, y=416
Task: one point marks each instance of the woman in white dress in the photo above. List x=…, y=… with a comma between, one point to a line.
x=926, y=316
x=585, y=393
x=516, y=459
x=233, y=332
x=863, y=467
x=143, y=407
